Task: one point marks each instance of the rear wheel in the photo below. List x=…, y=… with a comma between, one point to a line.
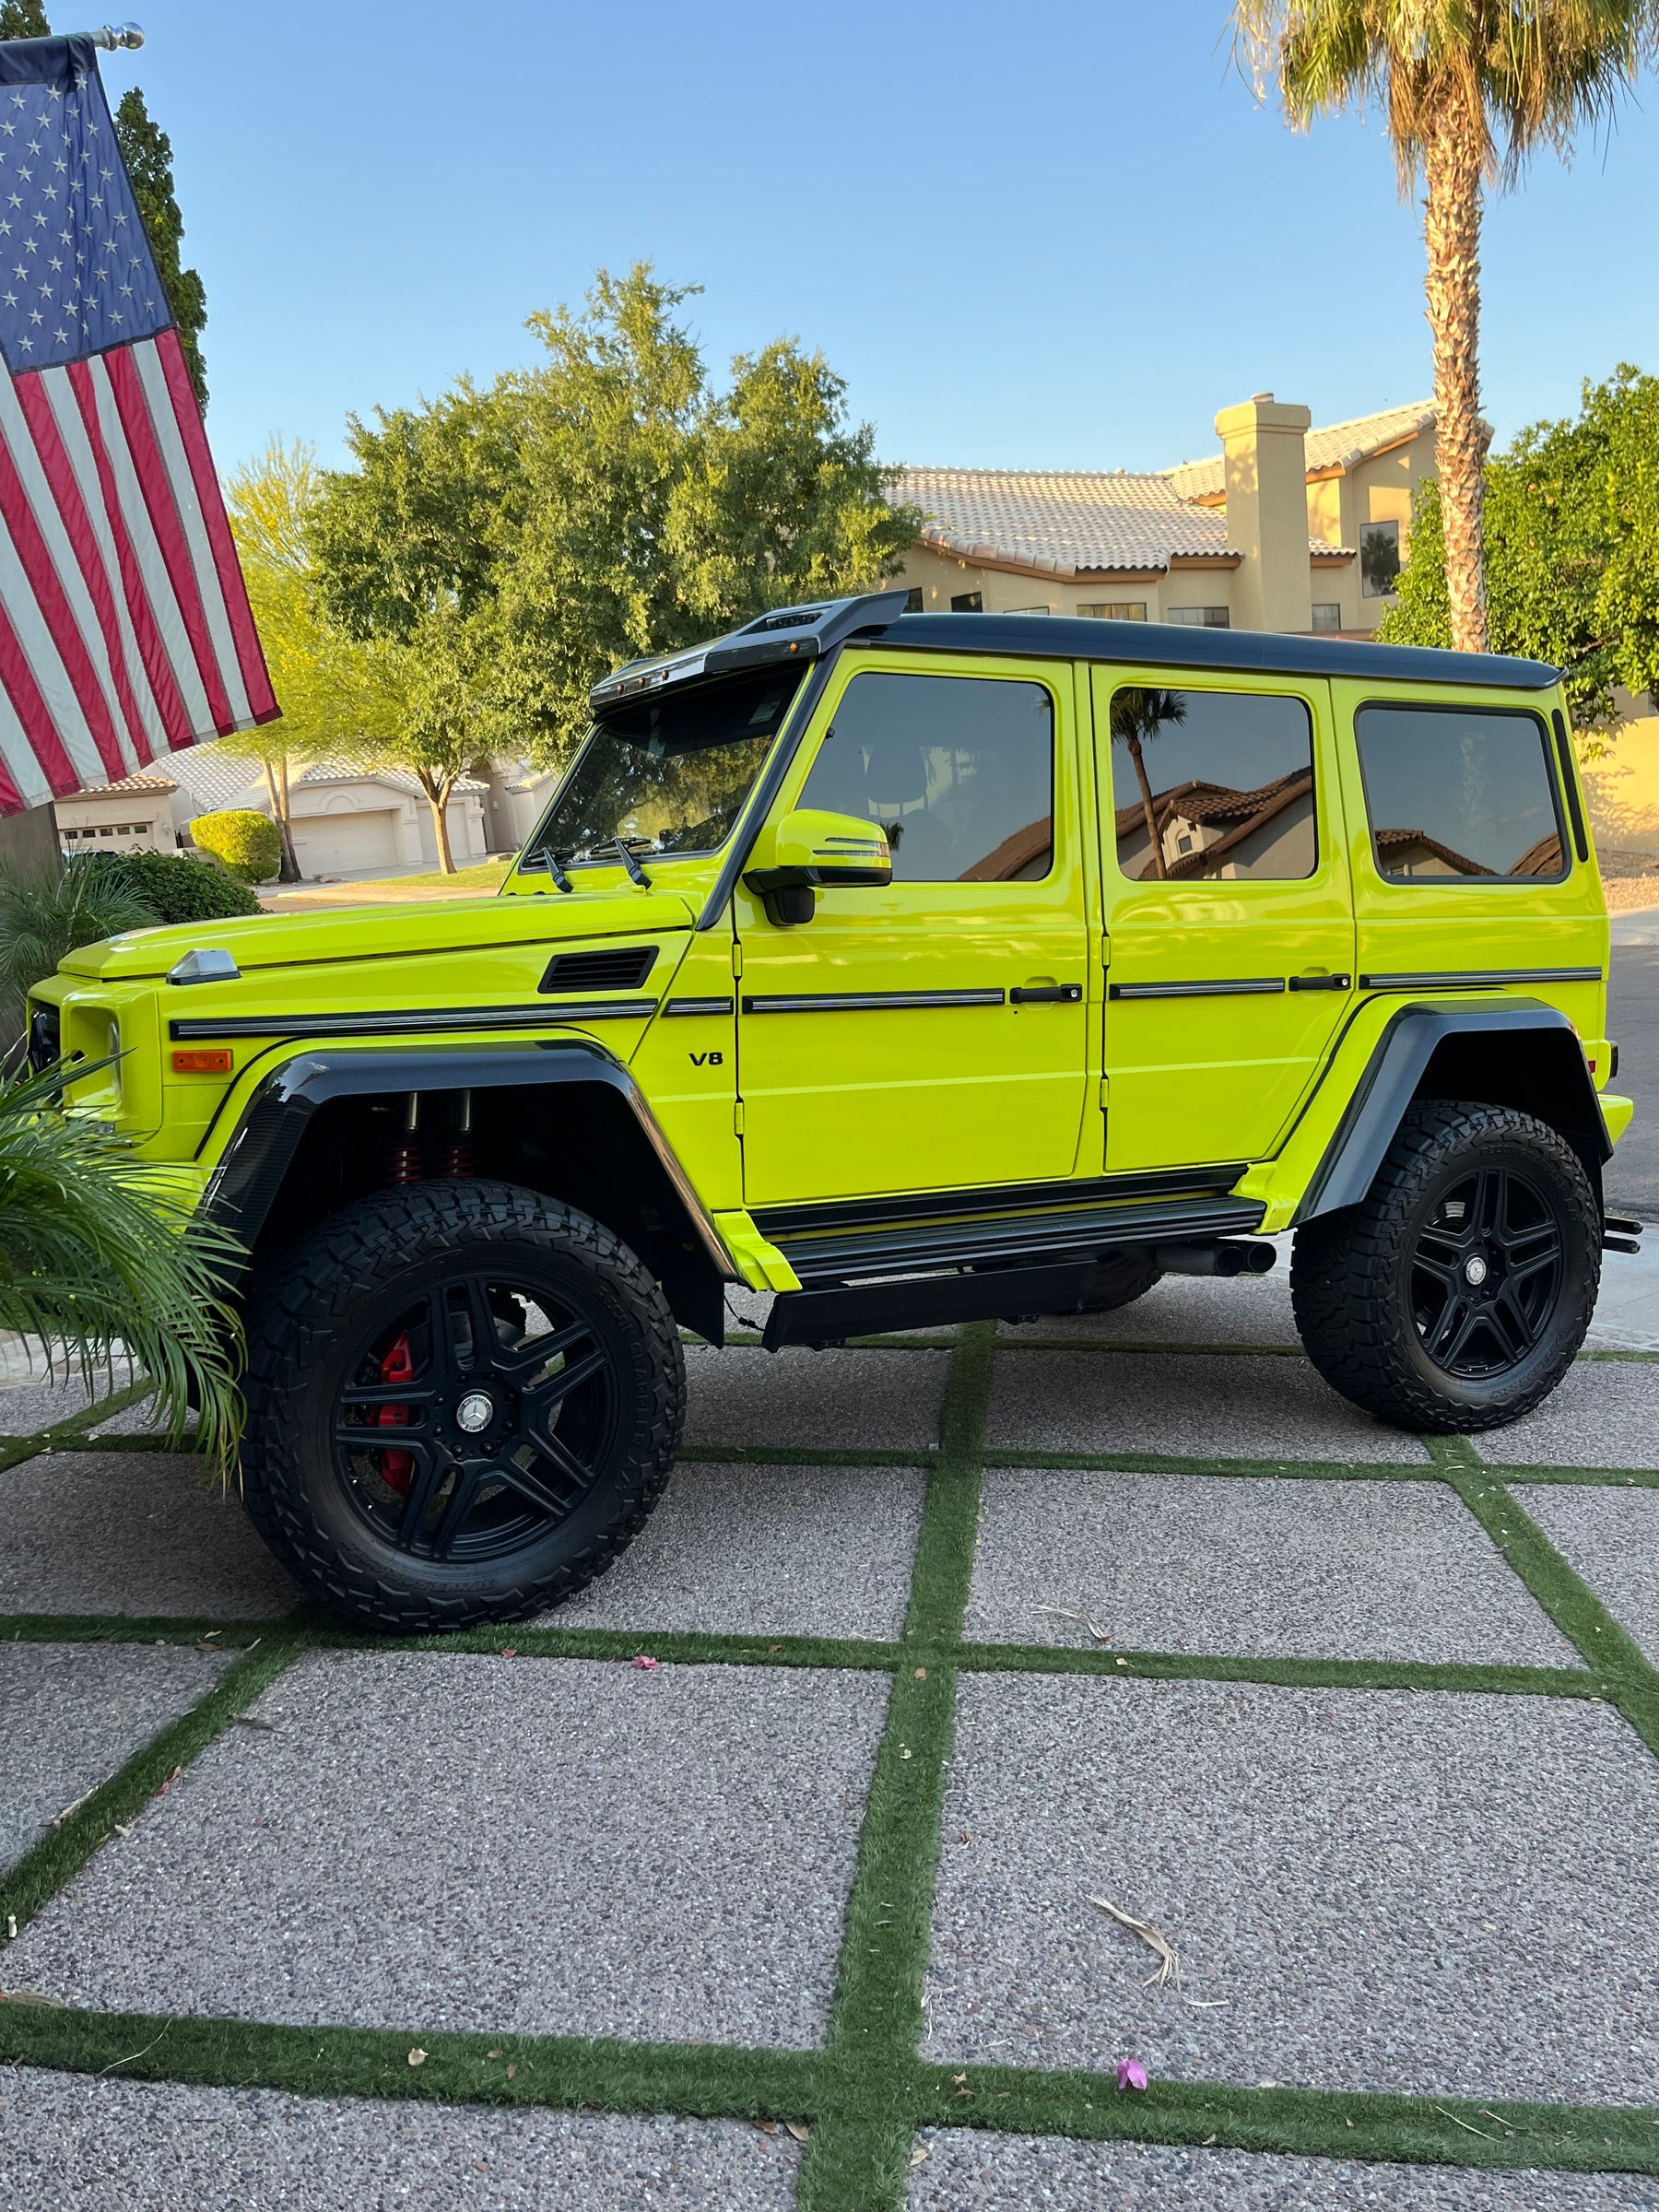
x=464, y=1401
x=1455, y=1296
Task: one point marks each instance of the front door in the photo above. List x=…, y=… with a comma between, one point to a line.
x=1230, y=924
x=930, y=1034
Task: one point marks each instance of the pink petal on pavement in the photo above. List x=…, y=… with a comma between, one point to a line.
x=1131, y=2074
x=647, y=1665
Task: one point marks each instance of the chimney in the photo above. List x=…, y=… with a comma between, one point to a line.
x=1264, y=469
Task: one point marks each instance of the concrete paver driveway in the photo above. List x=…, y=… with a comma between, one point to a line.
x=960, y=1641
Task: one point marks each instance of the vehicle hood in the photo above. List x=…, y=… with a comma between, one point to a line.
x=375, y=932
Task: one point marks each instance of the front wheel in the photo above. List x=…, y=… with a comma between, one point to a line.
x=1456, y=1294
x=464, y=1401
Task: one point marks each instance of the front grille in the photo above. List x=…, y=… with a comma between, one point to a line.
x=622, y=968
x=45, y=1035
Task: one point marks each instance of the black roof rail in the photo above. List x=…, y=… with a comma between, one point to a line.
x=785, y=633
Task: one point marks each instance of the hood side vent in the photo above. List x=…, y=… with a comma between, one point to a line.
x=624, y=967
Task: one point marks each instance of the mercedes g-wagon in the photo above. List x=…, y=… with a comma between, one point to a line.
x=914, y=969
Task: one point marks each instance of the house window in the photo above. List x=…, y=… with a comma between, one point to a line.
x=1212, y=786
x=912, y=600
x=1459, y=793
x=968, y=603
x=1379, y=559
x=1327, y=614
x=959, y=769
x=1200, y=618
x=1028, y=610
x=1114, y=610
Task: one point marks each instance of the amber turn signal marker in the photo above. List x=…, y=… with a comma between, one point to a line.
x=216, y=1062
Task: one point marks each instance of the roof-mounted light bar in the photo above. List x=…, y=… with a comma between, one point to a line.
x=787, y=633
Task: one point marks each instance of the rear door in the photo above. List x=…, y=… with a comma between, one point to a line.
x=1230, y=935
x=930, y=1034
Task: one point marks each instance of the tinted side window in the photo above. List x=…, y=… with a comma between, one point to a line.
x=1458, y=793
x=959, y=769
x=1212, y=786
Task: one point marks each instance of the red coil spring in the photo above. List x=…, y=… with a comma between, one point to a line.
x=404, y=1162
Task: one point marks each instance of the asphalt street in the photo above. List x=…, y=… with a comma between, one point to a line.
x=1633, y=1022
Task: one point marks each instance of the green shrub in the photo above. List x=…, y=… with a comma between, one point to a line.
x=248, y=843
x=42, y=918
x=179, y=889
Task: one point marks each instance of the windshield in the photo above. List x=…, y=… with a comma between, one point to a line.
x=668, y=774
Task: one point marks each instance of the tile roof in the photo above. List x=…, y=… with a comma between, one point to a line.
x=1336, y=445
x=144, y=781
x=1060, y=522
x=212, y=779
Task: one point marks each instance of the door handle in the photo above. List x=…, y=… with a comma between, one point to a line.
x=1321, y=982
x=1033, y=994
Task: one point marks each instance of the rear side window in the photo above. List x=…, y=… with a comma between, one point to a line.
x=1212, y=786
x=959, y=769
x=1459, y=793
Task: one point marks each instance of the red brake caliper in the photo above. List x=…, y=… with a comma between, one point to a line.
x=396, y=1467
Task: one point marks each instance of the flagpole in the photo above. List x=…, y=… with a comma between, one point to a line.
x=114, y=36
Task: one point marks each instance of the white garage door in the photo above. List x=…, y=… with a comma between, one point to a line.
x=344, y=844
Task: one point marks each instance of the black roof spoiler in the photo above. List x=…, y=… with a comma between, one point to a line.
x=787, y=633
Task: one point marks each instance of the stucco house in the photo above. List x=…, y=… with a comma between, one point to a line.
x=350, y=823
x=1287, y=528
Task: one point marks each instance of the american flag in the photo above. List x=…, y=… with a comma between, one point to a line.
x=124, y=628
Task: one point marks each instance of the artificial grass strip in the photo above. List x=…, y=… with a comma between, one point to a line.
x=1163, y=1463
x=1124, y=1665
x=1332, y=2124
x=59, y=1857
x=701, y=2080
x=1626, y=1677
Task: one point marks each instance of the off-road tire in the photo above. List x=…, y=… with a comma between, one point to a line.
x=1351, y=1272
x=1120, y=1280
x=303, y=1318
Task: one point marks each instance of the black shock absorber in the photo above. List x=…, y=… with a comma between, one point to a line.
x=403, y=1163
x=457, y=1154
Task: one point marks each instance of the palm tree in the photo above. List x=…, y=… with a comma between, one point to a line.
x=100, y=1260
x=44, y=917
x=1470, y=89
x=1137, y=716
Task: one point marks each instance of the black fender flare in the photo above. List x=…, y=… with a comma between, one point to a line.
x=1395, y=1075
x=244, y=1186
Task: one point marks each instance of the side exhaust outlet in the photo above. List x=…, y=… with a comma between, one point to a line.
x=1240, y=1256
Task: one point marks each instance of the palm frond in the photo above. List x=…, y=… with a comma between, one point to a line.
x=44, y=918
x=99, y=1257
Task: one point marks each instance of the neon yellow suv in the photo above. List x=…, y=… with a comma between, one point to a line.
x=914, y=969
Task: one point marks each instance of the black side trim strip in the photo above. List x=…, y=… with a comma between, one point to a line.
x=850, y=1002
x=1474, y=978
x=1051, y=1237
x=978, y=1201
x=1254, y=986
x=1045, y=994
x=413, y=1021
x=1580, y=843
x=700, y=1006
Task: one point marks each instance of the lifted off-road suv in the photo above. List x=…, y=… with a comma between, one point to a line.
x=914, y=969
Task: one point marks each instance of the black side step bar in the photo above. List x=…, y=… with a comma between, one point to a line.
x=830, y=1316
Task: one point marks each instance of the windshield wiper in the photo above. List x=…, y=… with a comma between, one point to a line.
x=546, y=854
x=629, y=863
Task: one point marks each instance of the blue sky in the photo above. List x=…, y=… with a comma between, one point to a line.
x=1025, y=237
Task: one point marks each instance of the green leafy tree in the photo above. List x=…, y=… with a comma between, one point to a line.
x=1573, y=550
x=148, y=151
x=1469, y=89
x=333, y=687
x=604, y=503
x=249, y=844
x=23, y=19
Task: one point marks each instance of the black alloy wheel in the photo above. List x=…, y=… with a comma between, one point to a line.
x=1487, y=1272
x=1456, y=1294
x=464, y=1400
x=476, y=1419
